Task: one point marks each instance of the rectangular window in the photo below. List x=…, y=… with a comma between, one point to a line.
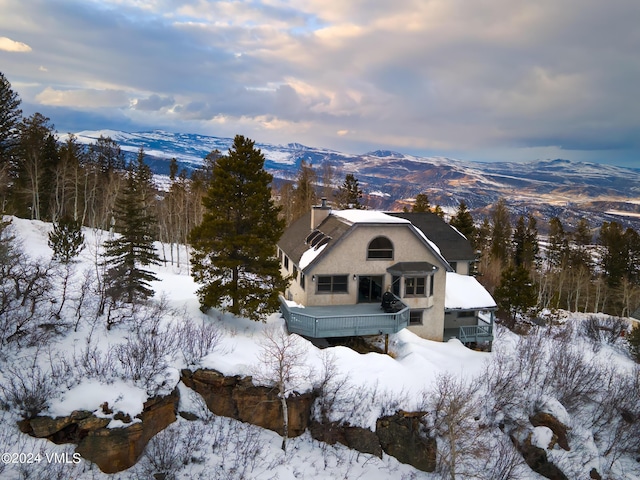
x=415, y=286
x=302, y=280
x=432, y=279
x=295, y=272
x=333, y=284
x=286, y=263
x=415, y=317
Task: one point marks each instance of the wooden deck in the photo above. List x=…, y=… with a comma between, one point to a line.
x=343, y=320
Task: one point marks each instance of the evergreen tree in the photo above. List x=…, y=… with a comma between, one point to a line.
x=437, y=210
x=234, y=248
x=463, y=221
x=349, y=193
x=66, y=240
x=525, y=241
x=516, y=294
x=633, y=340
x=582, y=235
x=421, y=204
x=126, y=255
x=482, y=238
x=10, y=115
x=615, y=258
x=558, y=248
x=501, y=232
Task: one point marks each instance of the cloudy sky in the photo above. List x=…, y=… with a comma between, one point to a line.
x=473, y=79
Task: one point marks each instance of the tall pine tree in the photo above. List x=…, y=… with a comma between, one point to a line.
x=349, y=193
x=126, y=255
x=234, y=248
x=500, y=247
x=463, y=221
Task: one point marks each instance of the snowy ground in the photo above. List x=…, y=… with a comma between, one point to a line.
x=215, y=447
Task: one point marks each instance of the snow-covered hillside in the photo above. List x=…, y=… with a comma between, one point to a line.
x=547, y=371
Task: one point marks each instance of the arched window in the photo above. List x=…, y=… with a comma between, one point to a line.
x=380, y=248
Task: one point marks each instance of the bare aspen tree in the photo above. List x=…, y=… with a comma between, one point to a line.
x=453, y=406
x=282, y=364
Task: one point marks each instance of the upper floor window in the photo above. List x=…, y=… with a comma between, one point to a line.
x=380, y=248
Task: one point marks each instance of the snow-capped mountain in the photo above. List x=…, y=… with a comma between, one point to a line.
x=564, y=188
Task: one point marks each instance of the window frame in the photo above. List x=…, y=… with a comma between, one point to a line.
x=332, y=281
x=416, y=288
x=416, y=312
x=380, y=253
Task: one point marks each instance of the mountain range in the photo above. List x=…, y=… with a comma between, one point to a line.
x=390, y=180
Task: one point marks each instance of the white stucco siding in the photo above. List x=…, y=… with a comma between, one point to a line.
x=349, y=257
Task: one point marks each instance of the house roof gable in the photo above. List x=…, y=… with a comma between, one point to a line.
x=452, y=244
x=334, y=228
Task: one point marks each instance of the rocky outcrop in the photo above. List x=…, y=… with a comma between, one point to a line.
x=402, y=436
x=537, y=460
x=237, y=397
x=399, y=435
x=112, y=449
x=357, y=438
x=542, y=419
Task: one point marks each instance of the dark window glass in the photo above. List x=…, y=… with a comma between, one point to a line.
x=415, y=317
x=333, y=284
x=415, y=286
x=380, y=248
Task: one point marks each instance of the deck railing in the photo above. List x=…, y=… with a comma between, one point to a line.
x=348, y=325
x=476, y=333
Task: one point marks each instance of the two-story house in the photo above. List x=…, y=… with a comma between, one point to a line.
x=344, y=261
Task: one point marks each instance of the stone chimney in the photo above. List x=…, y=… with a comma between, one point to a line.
x=319, y=213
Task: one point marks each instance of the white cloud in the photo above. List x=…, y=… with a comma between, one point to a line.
x=87, y=98
x=442, y=74
x=9, y=45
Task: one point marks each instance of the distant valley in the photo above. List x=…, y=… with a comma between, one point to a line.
x=569, y=190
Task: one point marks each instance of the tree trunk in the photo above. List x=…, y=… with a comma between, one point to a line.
x=285, y=418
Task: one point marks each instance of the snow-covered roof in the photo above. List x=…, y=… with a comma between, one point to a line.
x=465, y=293
x=308, y=256
x=367, y=216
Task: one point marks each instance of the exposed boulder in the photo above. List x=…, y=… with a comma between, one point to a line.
x=402, y=436
x=214, y=388
x=358, y=438
x=112, y=449
x=537, y=460
x=237, y=397
x=542, y=419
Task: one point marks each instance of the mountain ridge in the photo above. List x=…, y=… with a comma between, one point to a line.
x=555, y=187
